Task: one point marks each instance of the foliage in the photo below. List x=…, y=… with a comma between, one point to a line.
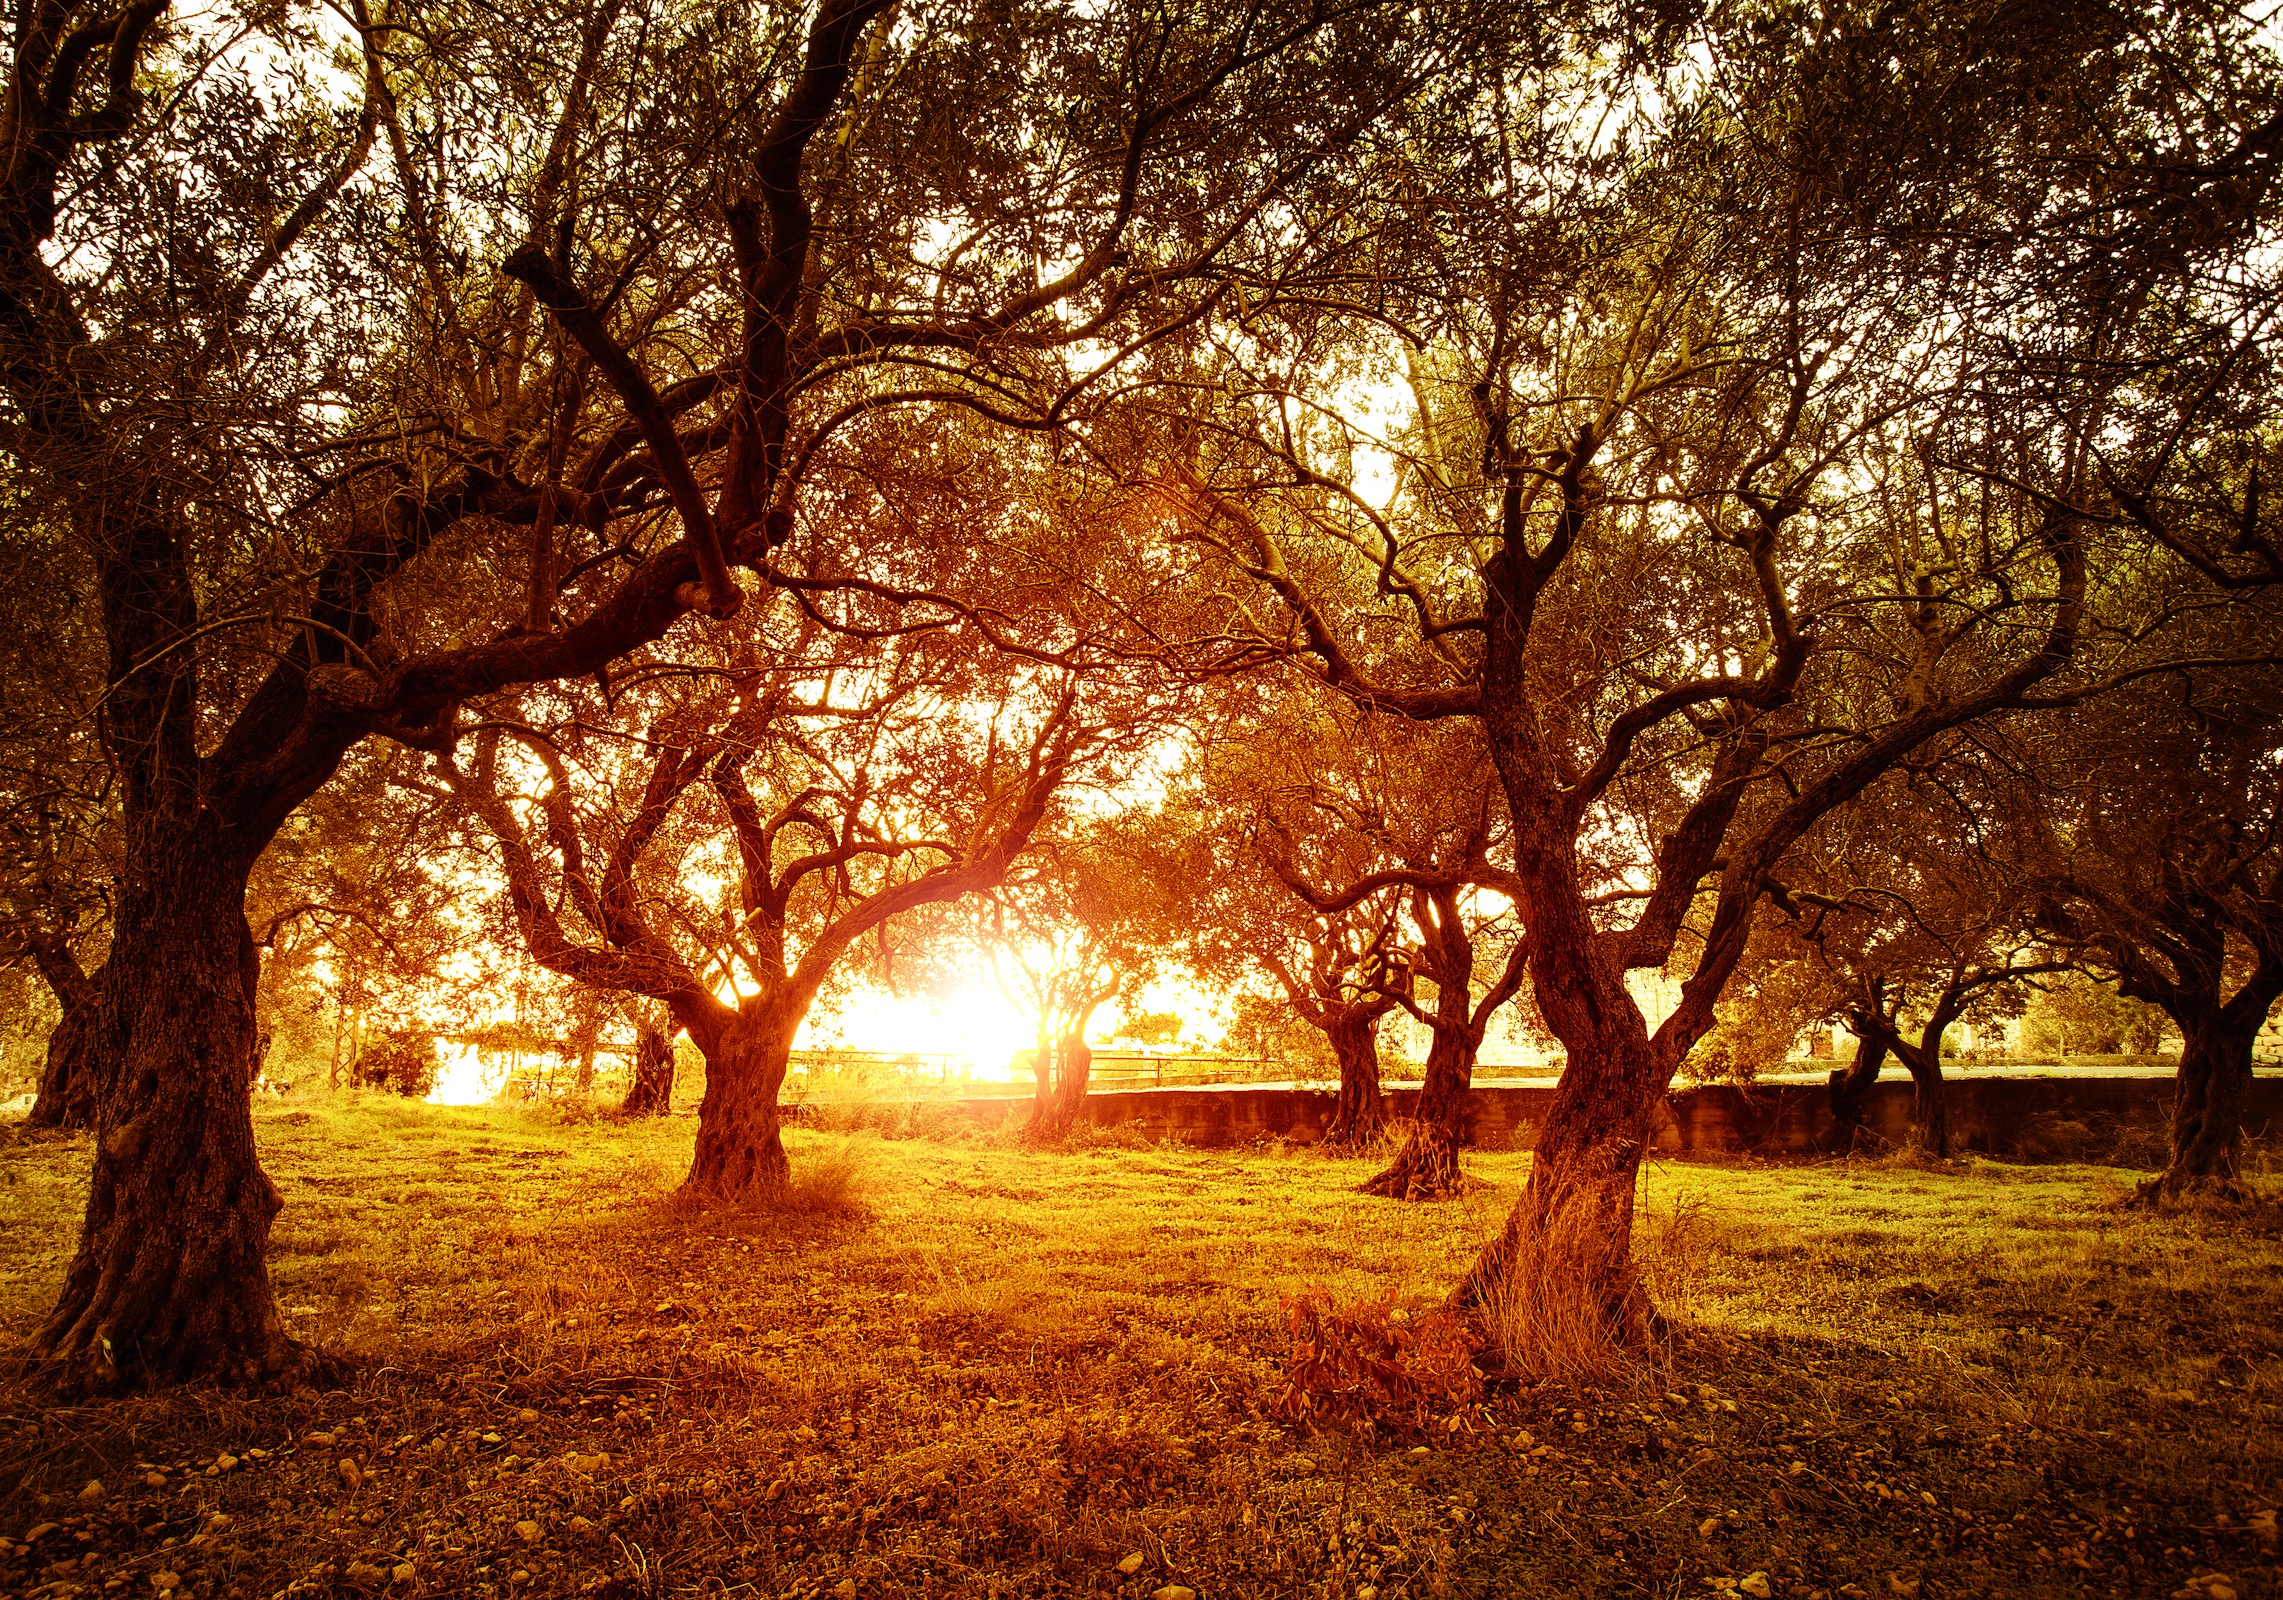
x=402, y=1062
x=2075, y=1014
x=1376, y=1368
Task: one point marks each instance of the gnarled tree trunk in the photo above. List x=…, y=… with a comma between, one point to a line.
x=1848, y=1086
x=741, y=1146
x=1071, y=1083
x=169, y=1280
x=1064, y=1068
x=651, y=1094
x=1929, y=1109
x=1571, y=1234
x=1357, y=1117
x=1427, y=1166
x=2207, y=1114
x=67, y=1082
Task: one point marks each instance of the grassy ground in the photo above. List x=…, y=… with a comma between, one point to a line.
x=968, y=1369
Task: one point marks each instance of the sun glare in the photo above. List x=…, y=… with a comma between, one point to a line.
x=462, y=1078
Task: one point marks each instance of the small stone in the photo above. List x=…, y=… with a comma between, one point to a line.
x=1132, y=1564
x=363, y=1572
x=217, y=1522
x=165, y=1582
x=519, y=1576
x=1708, y=1527
x=317, y=1438
x=154, y=1480
x=402, y=1572
x=224, y=1463
x=38, y=1533
x=527, y=1415
x=1907, y=1588
x=1754, y=1584
x=578, y=1525
x=93, y=1491
x=1417, y=1450
x=2220, y=1591
x=352, y=1474
x=528, y=1532
x=1367, y=1592
x=1173, y=1591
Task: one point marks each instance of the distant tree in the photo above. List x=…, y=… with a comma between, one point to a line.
x=1070, y=931
x=650, y=1086
x=1152, y=1028
x=1412, y=825
x=2161, y=871
x=1912, y=902
x=1246, y=804
x=2075, y=1013
x=880, y=796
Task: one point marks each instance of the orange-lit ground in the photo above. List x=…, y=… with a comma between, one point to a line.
x=961, y=1367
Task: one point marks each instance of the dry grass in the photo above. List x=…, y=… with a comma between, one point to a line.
x=960, y=1368
x=1547, y=1323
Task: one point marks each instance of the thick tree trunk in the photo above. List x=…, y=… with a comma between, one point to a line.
x=1064, y=1070
x=1427, y=1166
x=1357, y=1117
x=1070, y=1086
x=1848, y=1086
x=1929, y=1111
x=741, y=1146
x=2207, y=1115
x=651, y=1094
x=169, y=1281
x=1565, y=1256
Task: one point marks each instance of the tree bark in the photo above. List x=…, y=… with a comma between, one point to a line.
x=1571, y=1233
x=741, y=1147
x=1848, y=1086
x=1929, y=1109
x=1070, y=1087
x=1427, y=1166
x=651, y=1094
x=169, y=1280
x=67, y=1093
x=2207, y=1115
x=1063, y=1071
x=1357, y=1117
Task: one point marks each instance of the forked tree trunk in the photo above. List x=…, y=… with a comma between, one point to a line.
x=741, y=1147
x=2207, y=1114
x=1357, y=1117
x=169, y=1280
x=1427, y=1166
x=651, y=1094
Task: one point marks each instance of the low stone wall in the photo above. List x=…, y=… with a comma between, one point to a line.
x=2121, y=1119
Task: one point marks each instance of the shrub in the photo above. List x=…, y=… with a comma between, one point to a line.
x=406, y=1063
x=1371, y=1367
